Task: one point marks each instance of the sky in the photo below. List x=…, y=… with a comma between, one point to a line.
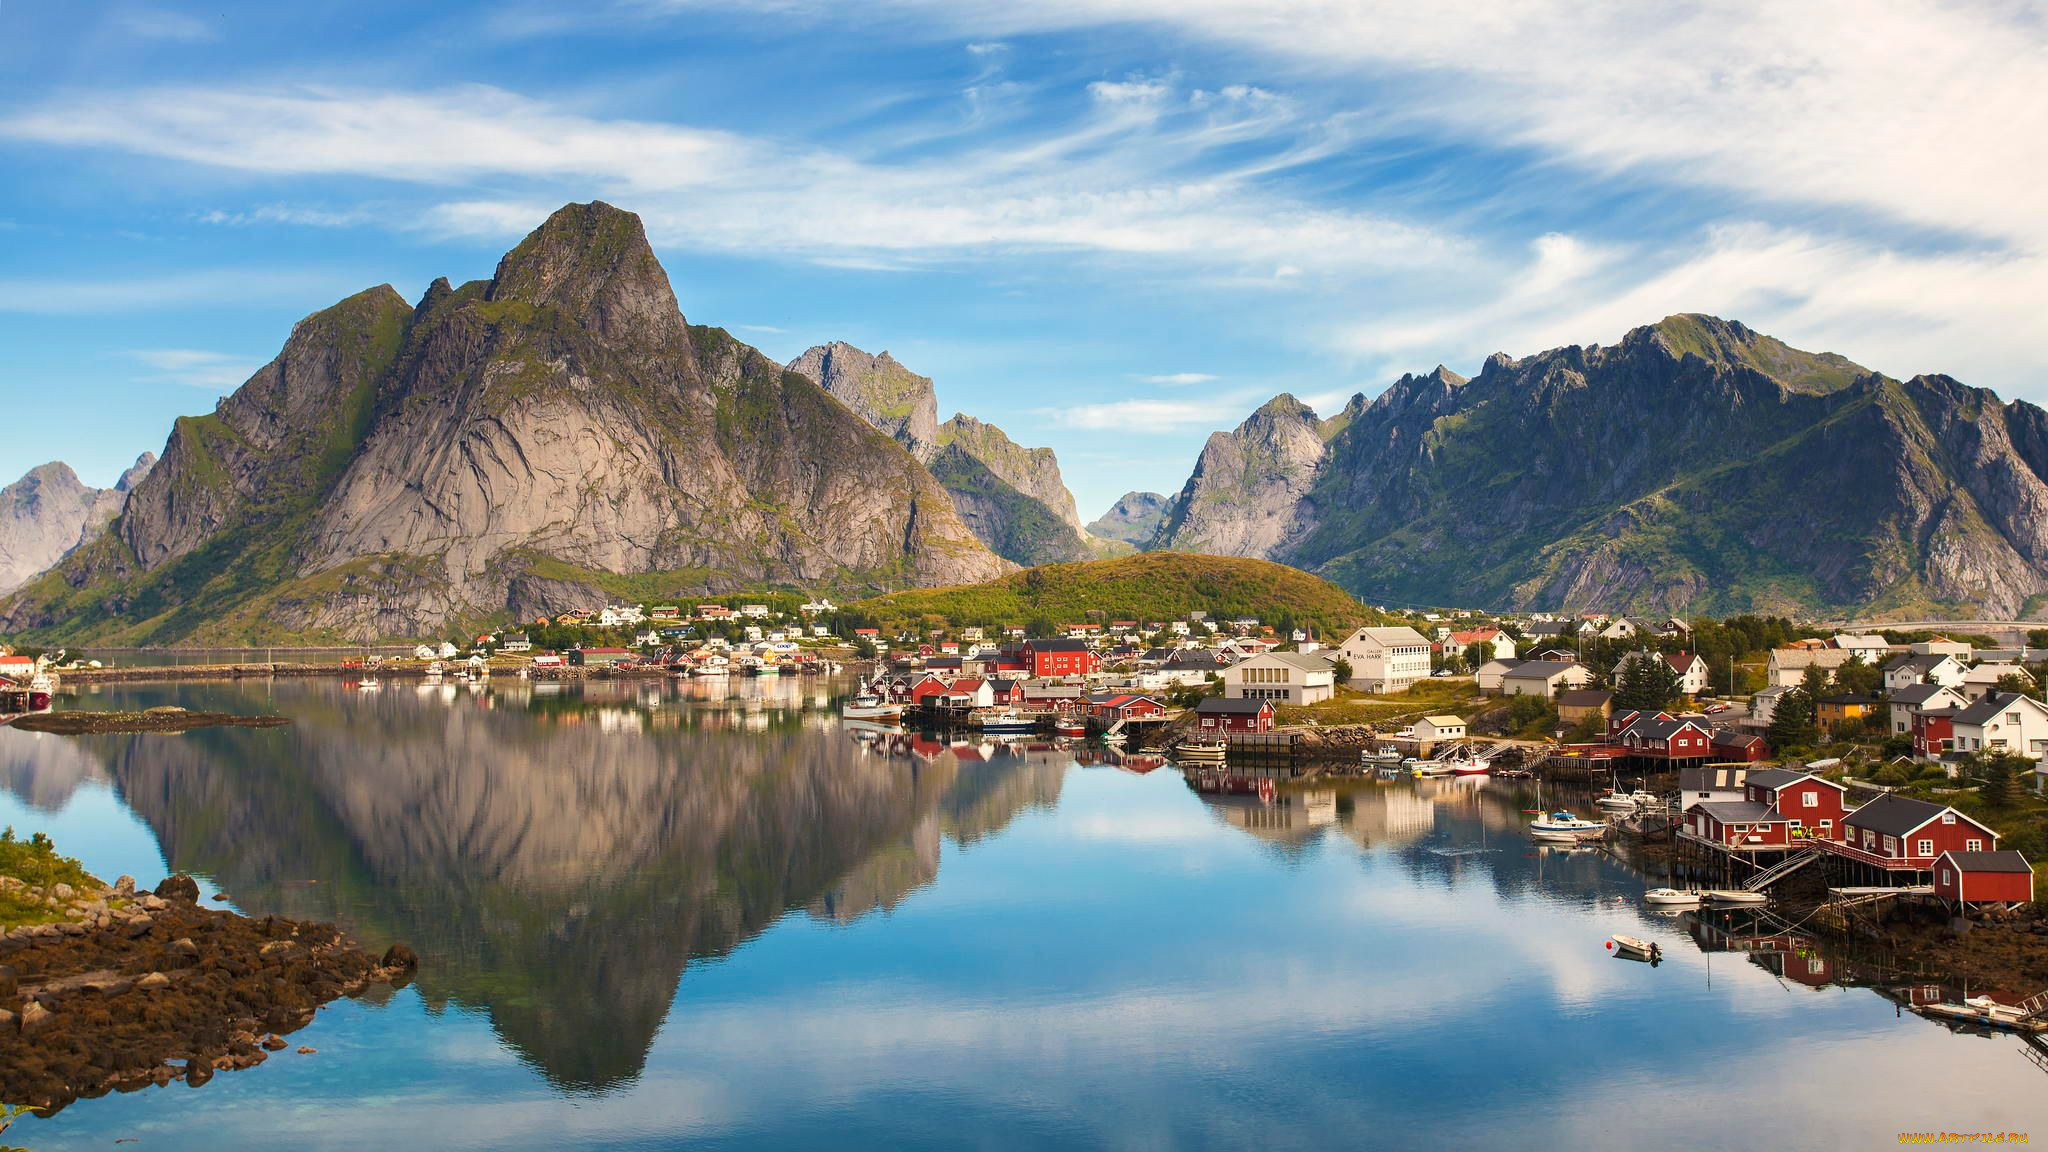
x=1109, y=226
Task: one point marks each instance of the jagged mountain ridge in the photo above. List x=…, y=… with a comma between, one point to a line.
x=512, y=446
x=1246, y=495
x=49, y=513
x=1696, y=465
x=1012, y=497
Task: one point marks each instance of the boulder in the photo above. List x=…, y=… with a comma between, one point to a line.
x=140, y=925
x=181, y=888
x=274, y=1042
x=35, y=1017
x=152, y=981
x=61, y=892
x=124, y=886
x=400, y=956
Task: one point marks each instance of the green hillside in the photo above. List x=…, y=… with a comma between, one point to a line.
x=1151, y=586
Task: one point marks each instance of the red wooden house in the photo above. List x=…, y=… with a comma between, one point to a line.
x=1934, y=732
x=1215, y=714
x=1059, y=658
x=1739, y=825
x=927, y=689
x=1110, y=707
x=1660, y=736
x=1810, y=806
x=1900, y=834
x=1730, y=745
x=2002, y=877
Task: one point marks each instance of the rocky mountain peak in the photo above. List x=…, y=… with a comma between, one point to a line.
x=879, y=390
x=1134, y=518
x=1245, y=497
x=135, y=472
x=49, y=513
x=592, y=261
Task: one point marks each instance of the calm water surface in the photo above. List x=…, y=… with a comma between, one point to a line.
x=654, y=916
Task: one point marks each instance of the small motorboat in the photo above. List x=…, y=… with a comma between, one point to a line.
x=368, y=684
x=1986, y=1012
x=1208, y=750
x=1067, y=727
x=1669, y=898
x=1616, y=802
x=1369, y=757
x=1735, y=897
x=1633, y=948
x=1004, y=722
x=1567, y=822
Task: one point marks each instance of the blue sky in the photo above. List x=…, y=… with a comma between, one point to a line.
x=1111, y=226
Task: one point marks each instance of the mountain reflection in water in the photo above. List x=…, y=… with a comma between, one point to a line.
x=558, y=858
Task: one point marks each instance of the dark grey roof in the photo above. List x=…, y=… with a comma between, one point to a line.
x=1195, y=659
x=1538, y=669
x=1847, y=698
x=1721, y=778
x=1991, y=705
x=1654, y=728
x=1894, y=815
x=1058, y=645
x=1917, y=693
x=1731, y=811
x=1775, y=778
x=1922, y=664
x=1217, y=705
x=2003, y=860
x=1730, y=738
x=1584, y=698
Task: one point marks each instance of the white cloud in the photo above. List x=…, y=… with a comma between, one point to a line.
x=1176, y=379
x=1152, y=415
x=768, y=328
x=1093, y=185
x=215, y=371
x=256, y=287
x=162, y=24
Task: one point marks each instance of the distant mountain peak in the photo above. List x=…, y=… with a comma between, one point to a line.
x=592, y=260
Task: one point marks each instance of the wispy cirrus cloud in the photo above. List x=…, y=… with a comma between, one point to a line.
x=201, y=288
x=161, y=24
x=1175, y=379
x=221, y=372
x=1146, y=415
x=1097, y=184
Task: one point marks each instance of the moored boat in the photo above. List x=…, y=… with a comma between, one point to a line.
x=867, y=704
x=1670, y=898
x=1003, y=722
x=1566, y=823
x=1735, y=896
x=1202, y=749
x=1069, y=727
x=1634, y=948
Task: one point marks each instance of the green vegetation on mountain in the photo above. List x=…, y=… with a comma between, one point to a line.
x=1149, y=587
x=1696, y=466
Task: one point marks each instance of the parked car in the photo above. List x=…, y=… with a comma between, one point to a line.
x=1715, y=709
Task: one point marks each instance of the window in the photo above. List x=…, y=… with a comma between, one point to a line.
x=1973, y=845
x=1948, y=817
x=1810, y=800
x=1891, y=845
x=1926, y=848
x=1947, y=877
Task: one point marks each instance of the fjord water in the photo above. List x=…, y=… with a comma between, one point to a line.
x=662, y=915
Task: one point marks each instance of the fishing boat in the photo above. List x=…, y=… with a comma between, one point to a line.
x=1565, y=822
x=1369, y=757
x=1670, y=898
x=1003, y=722
x=1634, y=948
x=868, y=705
x=1735, y=897
x=713, y=666
x=765, y=668
x=1428, y=769
x=1202, y=749
x=1069, y=727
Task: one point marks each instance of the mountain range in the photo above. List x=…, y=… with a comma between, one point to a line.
x=559, y=434
x=1695, y=466
x=1012, y=497
x=49, y=513
x=515, y=446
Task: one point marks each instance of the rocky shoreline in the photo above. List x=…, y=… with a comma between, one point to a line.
x=125, y=989
x=168, y=719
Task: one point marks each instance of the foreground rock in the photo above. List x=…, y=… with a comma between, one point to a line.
x=135, y=989
x=153, y=720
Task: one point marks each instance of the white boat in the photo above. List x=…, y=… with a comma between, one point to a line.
x=1004, y=722
x=765, y=668
x=368, y=684
x=1985, y=1011
x=1616, y=802
x=713, y=666
x=1564, y=822
x=1633, y=948
x=868, y=706
x=1202, y=750
x=1385, y=756
x=1669, y=898
x=1428, y=769
x=1741, y=896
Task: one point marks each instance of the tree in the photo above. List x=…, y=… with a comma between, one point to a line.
x=1994, y=774
x=1645, y=682
x=1859, y=678
x=2037, y=638
x=1342, y=667
x=1815, y=681
x=1791, y=721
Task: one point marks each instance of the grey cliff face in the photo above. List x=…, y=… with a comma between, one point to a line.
x=1012, y=497
x=49, y=513
x=878, y=389
x=1246, y=496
